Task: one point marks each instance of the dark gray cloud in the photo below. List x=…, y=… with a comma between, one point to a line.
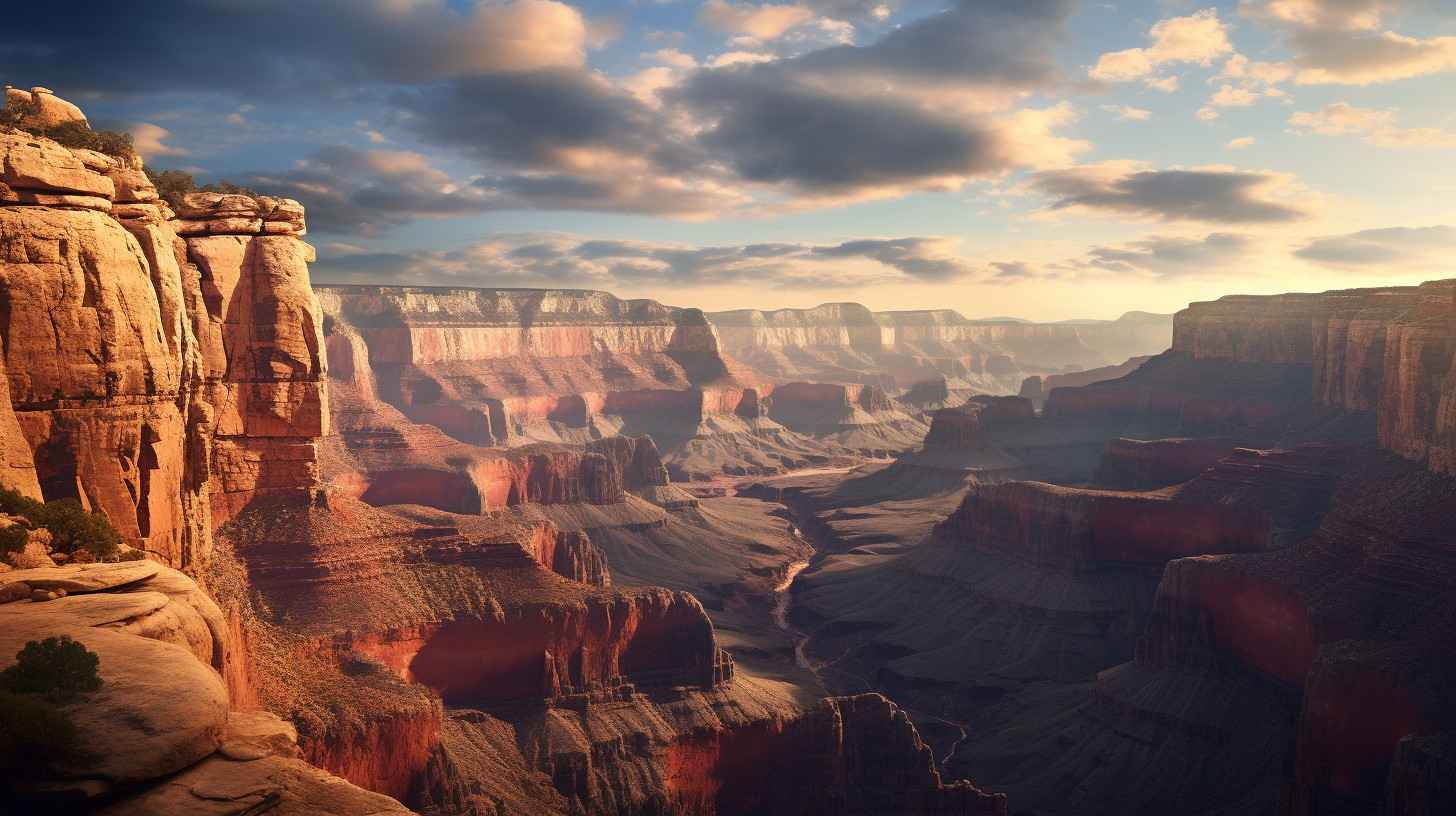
x=317, y=50
x=1168, y=256
x=852, y=117
x=1007, y=44
x=366, y=192
x=1216, y=195
x=507, y=86
x=1386, y=246
x=560, y=259
x=774, y=130
x=923, y=258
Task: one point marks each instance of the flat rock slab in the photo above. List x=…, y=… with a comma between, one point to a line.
x=78, y=610
x=279, y=786
x=256, y=734
x=86, y=577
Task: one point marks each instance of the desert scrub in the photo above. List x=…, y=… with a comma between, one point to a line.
x=71, y=527
x=33, y=732
x=57, y=667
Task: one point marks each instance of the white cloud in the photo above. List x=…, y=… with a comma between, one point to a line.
x=1340, y=118
x=1377, y=126
x=1199, y=38
x=1239, y=143
x=147, y=140
x=1126, y=112
x=760, y=23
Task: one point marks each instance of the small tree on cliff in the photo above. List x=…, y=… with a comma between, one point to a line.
x=172, y=185
x=33, y=733
x=71, y=527
x=76, y=133
x=57, y=667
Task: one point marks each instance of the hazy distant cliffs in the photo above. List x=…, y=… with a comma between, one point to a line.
x=847, y=342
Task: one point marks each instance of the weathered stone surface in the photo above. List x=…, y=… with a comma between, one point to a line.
x=256, y=734
x=158, y=711
x=17, y=466
x=88, y=577
x=12, y=592
x=50, y=110
x=40, y=166
x=269, y=403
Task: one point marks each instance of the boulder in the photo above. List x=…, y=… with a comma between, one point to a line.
x=51, y=110
x=159, y=709
x=40, y=166
x=10, y=593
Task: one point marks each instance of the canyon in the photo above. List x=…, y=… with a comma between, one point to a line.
x=470, y=550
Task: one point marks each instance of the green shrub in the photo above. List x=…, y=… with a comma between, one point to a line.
x=75, y=134
x=13, y=539
x=33, y=734
x=72, y=528
x=16, y=113
x=16, y=503
x=57, y=667
x=171, y=184
x=228, y=188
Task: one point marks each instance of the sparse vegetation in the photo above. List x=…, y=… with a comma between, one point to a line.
x=33, y=734
x=71, y=527
x=75, y=134
x=13, y=539
x=172, y=185
x=58, y=668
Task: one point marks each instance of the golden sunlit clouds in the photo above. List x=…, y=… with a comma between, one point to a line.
x=1376, y=126
x=1339, y=41
x=1195, y=39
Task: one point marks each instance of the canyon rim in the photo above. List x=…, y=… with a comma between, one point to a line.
x=713, y=409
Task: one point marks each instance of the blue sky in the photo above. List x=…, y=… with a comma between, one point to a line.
x=1045, y=158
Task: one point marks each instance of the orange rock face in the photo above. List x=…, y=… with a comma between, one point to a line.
x=148, y=380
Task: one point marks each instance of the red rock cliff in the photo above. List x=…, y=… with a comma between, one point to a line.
x=150, y=388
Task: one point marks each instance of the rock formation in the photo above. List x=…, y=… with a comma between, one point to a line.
x=1036, y=388
x=158, y=734
x=848, y=343
x=1280, y=483
x=162, y=381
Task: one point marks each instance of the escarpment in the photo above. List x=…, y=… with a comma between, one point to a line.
x=162, y=381
x=849, y=343
x=509, y=368
x=1252, y=581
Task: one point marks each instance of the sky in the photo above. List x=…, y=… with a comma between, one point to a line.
x=1047, y=159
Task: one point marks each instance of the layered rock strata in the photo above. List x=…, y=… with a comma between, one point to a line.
x=161, y=381
x=848, y=343
x=514, y=367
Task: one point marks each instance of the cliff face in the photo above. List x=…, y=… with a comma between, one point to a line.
x=512, y=367
x=478, y=362
x=964, y=428
x=1037, y=387
x=847, y=755
x=152, y=377
x=1384, y=350
x=848, y=343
